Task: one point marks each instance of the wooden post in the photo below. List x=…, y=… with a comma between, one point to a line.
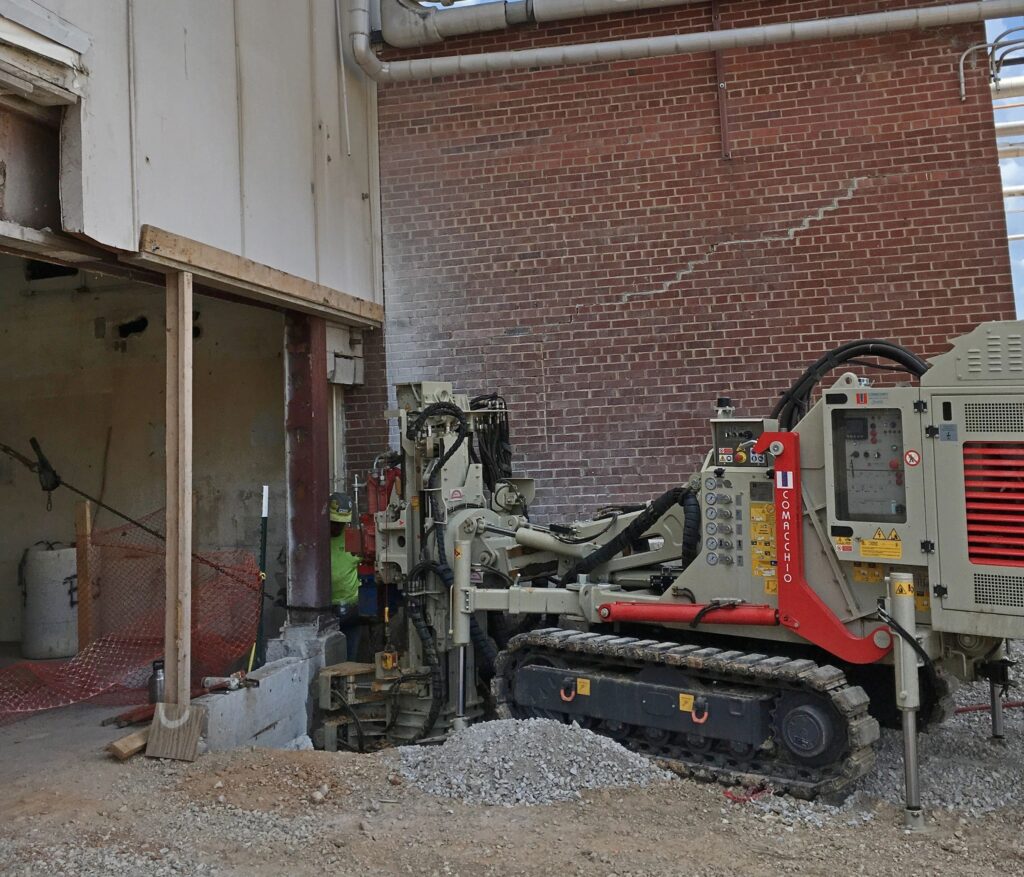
x=83, y=542
x=178, y=616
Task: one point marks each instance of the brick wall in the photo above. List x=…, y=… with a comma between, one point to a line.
x=366, y=430
x=574, y=239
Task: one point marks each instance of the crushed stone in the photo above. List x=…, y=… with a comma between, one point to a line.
x=962, y=770
x=533, y=761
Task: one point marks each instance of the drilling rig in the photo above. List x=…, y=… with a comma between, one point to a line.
x=840, y=563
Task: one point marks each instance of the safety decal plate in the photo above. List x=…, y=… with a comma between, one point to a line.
x=882, y=545
x=868, y=573
x=904, y=589
x=582, y=686
x=843, y=543
x=685, y=703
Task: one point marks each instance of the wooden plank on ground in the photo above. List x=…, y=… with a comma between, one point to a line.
x=233, y=273
x=178, y=429
x=175, y=731
x=83, y=542
x=125, y=747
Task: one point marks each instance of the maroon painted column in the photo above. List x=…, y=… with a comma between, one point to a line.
x=307, y=436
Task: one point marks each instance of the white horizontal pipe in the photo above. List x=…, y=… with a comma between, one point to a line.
x=556, y=10
x=1012, y=150
x=1010, y=87
x=405, y=23
x=1013, y=191
x=1015, y=237
x=849, y=27
x=1009, y=129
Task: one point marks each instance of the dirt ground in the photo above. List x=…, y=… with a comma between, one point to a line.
x=68, y=809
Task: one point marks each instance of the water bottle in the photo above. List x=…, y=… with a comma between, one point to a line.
x=156, y=683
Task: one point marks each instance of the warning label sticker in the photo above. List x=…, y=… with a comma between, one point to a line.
x=582, y=686
x=904, y=589
x=882, y=545
x=771, y=586
x=868, y=573
x=843, y=543
x=685, y=703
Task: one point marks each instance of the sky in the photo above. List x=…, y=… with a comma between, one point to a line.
x=1012, y=168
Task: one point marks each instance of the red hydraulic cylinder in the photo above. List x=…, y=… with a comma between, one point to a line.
x=684, y=613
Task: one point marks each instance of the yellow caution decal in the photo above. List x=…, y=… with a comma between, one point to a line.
x=685, y=703
x=582, y=686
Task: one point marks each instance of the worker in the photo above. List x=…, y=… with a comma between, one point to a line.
x=344, y=574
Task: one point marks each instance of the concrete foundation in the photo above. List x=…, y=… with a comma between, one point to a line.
x=271, y=716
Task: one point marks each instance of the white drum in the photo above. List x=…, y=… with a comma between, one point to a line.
x=49, y=622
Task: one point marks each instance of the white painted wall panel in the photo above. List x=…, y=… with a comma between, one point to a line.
x=186, y=132
x=97, y=190
x=229, y=130
x=343, y=166
x=277, y=134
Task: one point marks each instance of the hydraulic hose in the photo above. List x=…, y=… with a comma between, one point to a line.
x=796, y=400
x=691, y=528
x=438, y=695
x=486, y=653
x=636, y=528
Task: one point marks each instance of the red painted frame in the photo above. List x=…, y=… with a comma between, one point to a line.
x=800, y=608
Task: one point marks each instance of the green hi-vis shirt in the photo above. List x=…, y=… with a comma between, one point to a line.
x=344, y=574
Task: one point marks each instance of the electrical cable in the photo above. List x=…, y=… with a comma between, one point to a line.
x=359, y=725
x=583, y=540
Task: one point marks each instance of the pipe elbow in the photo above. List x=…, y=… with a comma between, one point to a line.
x=407, y=25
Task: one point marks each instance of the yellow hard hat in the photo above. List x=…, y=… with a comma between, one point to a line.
x=340, y=508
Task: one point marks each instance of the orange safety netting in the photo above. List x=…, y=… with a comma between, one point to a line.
x=127, y=572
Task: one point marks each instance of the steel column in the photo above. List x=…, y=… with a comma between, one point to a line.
x=307, y=450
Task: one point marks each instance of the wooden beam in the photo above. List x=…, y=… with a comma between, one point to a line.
x=32, y=242
x=131, y=744
x=83, y=542
x=178, y=610
x=229, y=272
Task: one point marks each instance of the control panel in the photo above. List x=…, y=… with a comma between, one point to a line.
x=869, y=465
x=724, y=522
x=734, y=438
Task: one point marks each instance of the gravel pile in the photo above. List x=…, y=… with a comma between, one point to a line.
x=536, y=761
x=962, y=768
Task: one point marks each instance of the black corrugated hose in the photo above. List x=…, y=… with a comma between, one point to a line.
x=797, y=399
x=636, y=528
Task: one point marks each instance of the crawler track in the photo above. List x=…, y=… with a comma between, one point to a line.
x=714, y=669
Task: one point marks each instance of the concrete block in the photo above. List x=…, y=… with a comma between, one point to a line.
x=270, y=716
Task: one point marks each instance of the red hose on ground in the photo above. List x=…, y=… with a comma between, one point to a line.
x=985, y=707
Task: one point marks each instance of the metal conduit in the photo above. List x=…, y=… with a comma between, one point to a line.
x=1010, y=87
x=405, y=23
x=848, y=27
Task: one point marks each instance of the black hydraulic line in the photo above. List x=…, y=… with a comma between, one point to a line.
x=433, y=661
x=691, y=528
x=636, y=528
x=796, y=400
x=486, y=653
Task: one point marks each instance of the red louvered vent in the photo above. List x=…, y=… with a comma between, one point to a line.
x=994, y=487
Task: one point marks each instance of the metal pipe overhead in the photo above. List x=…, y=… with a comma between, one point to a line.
x=1009, y=129
x=846, y=27
x=1012, y=150
x=405, y=23
x=1013, y=191
x=1010, y=87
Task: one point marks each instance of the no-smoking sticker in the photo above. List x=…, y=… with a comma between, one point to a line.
x=912, y=458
